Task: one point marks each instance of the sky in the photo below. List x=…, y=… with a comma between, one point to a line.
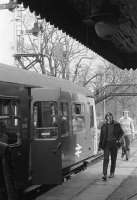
x=8, y=38
x=7, y=35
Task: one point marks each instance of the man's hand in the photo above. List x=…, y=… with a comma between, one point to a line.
x=99, y=149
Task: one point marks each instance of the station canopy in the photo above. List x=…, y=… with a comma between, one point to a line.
x=108, y=27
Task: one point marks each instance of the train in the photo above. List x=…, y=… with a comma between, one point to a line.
x=47, y=127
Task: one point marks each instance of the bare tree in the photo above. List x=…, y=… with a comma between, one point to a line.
x=54, y=50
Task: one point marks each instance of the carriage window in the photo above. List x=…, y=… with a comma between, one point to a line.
x=78, y=118
x=45, y=119
x=9, y=110
x=77, y=108
x=91, y=117
x=9, y=120
x=64, y=108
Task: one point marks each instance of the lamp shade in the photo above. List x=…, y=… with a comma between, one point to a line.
x=105, y=30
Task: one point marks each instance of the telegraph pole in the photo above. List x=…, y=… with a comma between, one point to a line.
x=11, y=5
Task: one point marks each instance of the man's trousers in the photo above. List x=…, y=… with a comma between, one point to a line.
x=110, y=150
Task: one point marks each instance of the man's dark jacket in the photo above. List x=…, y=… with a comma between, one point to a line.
x=117, y=132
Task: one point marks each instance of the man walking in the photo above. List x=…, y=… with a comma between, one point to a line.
x=111, y=133
x=128, y=128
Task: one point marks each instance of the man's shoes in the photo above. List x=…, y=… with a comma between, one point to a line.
x=104, y=178
x=122, y=155
x=111, y=175
x=127, y=155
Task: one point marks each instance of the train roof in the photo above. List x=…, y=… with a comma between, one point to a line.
x=31, y=79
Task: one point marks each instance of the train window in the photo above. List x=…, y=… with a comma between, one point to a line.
x=9, y=120
x=91, y=117
x=78, y=118
x=45, y=118
x=9, y=110
x=78, y=124
x=64, y=109
x=77, y=108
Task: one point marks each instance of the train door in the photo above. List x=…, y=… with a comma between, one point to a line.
x=46, y=145
x=67, y=139
x=93, y=125
x=14, y=129
x=10, y=133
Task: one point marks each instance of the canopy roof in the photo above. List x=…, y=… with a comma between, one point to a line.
x=108, y=27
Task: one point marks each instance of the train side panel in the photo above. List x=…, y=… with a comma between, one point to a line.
x=84, y=126
x=93, y=124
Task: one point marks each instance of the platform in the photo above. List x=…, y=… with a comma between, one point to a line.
x=87, y=185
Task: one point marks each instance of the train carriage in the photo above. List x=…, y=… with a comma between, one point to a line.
x=49, y=126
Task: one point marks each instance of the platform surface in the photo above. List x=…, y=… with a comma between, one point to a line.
x=88, y=185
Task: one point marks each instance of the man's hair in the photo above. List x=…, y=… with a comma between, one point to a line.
x=108, y=114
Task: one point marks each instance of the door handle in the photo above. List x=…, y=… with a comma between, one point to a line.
x=58, y=147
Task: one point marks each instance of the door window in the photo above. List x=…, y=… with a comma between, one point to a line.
x=45, y=116
x=64, y=108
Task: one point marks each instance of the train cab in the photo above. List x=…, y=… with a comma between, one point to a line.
x=63, y=134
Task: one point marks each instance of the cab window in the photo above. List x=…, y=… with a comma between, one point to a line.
x=64, y=124
x=78, y=118
x=45, y=116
